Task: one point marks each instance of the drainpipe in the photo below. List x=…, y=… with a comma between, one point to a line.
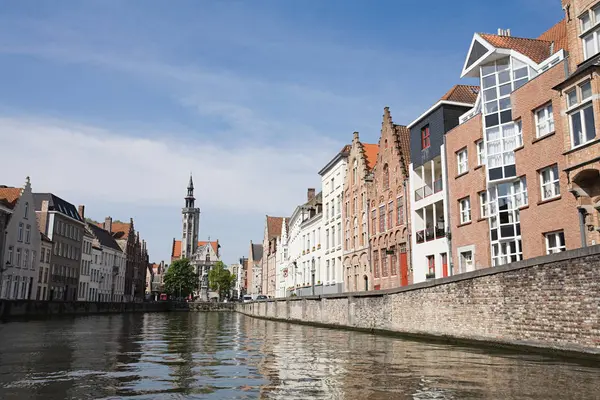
x=447, y=208
x=582, y=215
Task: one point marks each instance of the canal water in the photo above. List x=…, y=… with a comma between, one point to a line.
x=230, y=356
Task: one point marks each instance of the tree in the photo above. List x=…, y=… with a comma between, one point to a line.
x=220, y=279
x=180, y=279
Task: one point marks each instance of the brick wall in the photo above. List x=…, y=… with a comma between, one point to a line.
x=475, y=233
x=549, y=302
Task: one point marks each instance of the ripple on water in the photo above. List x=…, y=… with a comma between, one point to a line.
x=229, y=356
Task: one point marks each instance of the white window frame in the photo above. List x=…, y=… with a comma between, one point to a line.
x=480, y=152
x=558, y=247
x=465, y=210
x=552, y=186
x=593, y=30
x=484, y=208
x=544, y=118
x=578, y=107
x=462, y=164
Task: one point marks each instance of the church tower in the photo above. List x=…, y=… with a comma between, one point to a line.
x=191, y=223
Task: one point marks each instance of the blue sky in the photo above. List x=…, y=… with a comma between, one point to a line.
x=112, y=103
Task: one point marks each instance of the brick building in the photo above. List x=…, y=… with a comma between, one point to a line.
x=273, y=228
x=254, y=275
x=390, y=217
x=523, y=164
x=357, y=267
x=428, y=182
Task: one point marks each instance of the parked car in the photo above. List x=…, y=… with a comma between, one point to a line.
x=247, y=298
x=261, y=297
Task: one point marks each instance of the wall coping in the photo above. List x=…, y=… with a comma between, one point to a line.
x=528, y=263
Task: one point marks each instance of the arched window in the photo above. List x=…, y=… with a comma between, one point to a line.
x=26, y=210
x=386, y=177
x=354, y=171
x=207, y=257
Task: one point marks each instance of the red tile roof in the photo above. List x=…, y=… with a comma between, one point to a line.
x=274, y=225
x=462, y=94
x=10, y=195
x=558, y=35
x=536, y=49
x=371, y=151
x=176, y=250
x=120, y=230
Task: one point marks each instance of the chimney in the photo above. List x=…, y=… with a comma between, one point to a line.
x=45, y=206
x=43, y=218
x=311, y=194
x=108, y=224
x=503, y=32
x=81, y=210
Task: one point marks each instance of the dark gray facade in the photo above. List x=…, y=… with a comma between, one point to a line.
x=440, y=120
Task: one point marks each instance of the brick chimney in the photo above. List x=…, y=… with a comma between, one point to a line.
x=108, y=224
x=43, y=218
x=81, y=210
x=310, y=194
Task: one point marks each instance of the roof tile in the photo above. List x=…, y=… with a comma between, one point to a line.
x=371, y=152
x=10, y=195
x=176, y=251
x=462, y=94
x=558, y=35
x=536, y=49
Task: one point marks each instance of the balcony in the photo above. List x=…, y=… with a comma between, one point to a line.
x=429, y=222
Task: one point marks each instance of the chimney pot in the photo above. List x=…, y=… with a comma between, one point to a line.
x=81, y=210
x=310, y=194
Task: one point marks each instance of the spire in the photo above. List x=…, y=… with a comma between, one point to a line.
x=189, y=199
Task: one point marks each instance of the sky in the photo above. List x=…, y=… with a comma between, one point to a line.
x=112, y=104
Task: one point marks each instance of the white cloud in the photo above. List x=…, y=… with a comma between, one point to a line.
x=78, y=161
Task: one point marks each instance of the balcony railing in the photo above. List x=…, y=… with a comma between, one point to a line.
x=420, y=236
x=440, y=232
x=429, y=234
x=438, y=185
x=423, y=192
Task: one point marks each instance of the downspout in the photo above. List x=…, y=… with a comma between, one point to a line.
x=447, y=209
x=407, y=213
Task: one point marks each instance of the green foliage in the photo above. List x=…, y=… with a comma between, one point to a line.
x=221, y=280
x=180, y=278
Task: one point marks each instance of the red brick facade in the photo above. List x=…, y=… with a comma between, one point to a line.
x=389, y=239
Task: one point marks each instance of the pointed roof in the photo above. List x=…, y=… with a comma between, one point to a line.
x=257, y=252
x=371, y=151
x=176, y=248
x=274, y=225
x=10, y=195
x=462, y=94
x=536, y=49
x=104, y=237
x=55, y=203
x=557, y=35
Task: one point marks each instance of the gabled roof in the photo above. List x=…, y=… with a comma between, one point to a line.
x=120, y=230
x=10, y=195
x=371, y=152
x=257, y=252
x=176, y=249
x=104, y=237
x=462, y=94
x=557, y=35
x=274, y=225
x=55, y=203
x=536, y=49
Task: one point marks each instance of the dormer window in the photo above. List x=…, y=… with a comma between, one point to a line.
x=425, y=142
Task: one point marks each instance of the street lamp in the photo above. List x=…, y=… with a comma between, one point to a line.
x=313, y=275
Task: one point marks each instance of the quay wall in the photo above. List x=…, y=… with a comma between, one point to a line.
x=549, y=303
x=37, y=308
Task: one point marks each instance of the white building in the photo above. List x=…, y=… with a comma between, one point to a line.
x=300, y=269
x=23, y=242
x=107, y=274
x=86, y=262
x=428, y=182
x=333, y=176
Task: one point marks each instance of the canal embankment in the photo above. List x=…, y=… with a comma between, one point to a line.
x=37, y=308
x=545, y=304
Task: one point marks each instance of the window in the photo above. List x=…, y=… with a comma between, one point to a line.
x=386, y=177
x=327, y=271
x=327, y=238
x=425, y=142
x=10, y=255
x=390, y=221
x=480, y=152
x=376, y=262
x=339, y=242
x=332, y=185
x=326, y=211
x=555, y=242
x=466, y=261
x=18, y=257
x=483, y=205
x=465, y=210
x=354, y=171
x=332, y=237
x=399, y=211
x=590, y=40
x=26, y=258
x=462, y=162
x=550, y=182
x=382, y=218
x=26, y=211
x=393, y=269
x=28, y=234
x=431, y=265
x=544, y=121
x=20, y=235
x=373, y=222
x=581, y=114
x=384, y=263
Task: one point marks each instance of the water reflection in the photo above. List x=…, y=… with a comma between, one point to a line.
x=229, y=356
